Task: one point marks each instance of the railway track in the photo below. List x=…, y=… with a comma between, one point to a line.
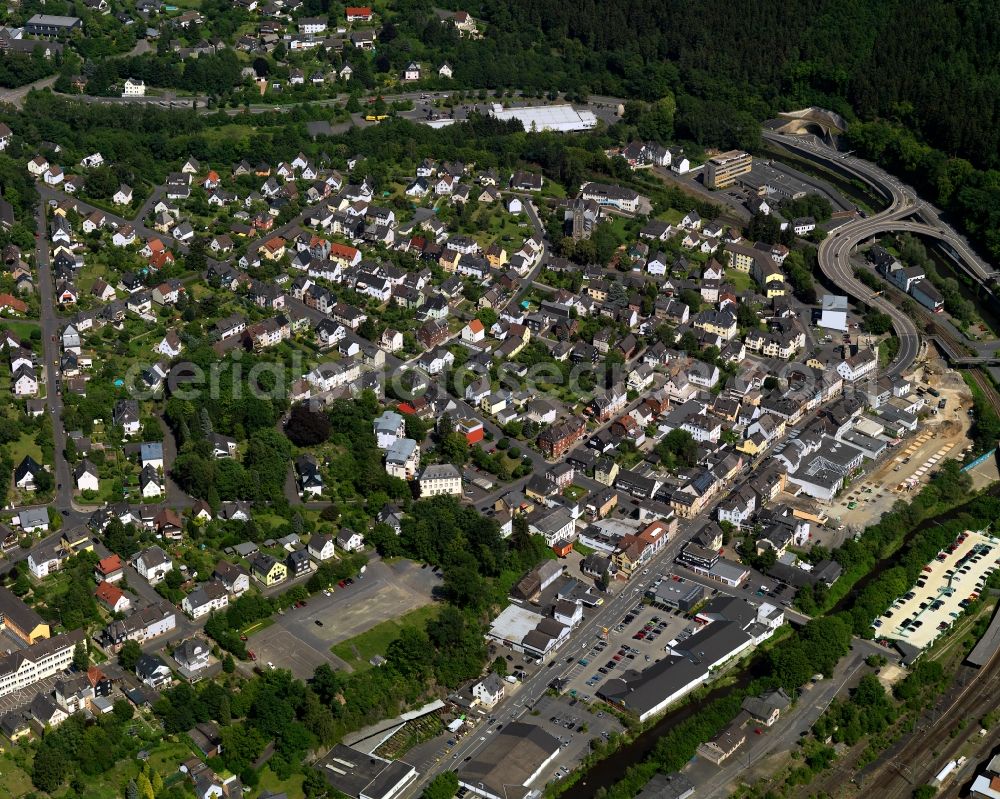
x=979, y=377
x=938, y=738
x=986, y=386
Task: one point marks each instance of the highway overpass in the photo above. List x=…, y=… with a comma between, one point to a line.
x=834, y=254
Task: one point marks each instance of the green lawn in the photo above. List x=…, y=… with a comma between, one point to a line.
x=359, y=650
x=552, y=189
x=672, y=216
x=741, y=281
x=271, y=520
x=15, y=782
x=168, y=755
x=164, y=758
x=293, y=787
x=89, y=275
x=491, y=224
x=26, y=445
x=21, y=329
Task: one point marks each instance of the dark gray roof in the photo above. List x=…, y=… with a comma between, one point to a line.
x=14, y=610
x=714, y=642
x=640, y=692
x=667, y=786
x=510, y=758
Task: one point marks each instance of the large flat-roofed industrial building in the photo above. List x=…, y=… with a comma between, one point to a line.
x=652, y=690
x=778, y=186
x=363, y=776
x=722, y=170
x=509, y=765
x=561, y=118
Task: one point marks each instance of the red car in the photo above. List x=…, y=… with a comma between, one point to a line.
x=251, y=655
x=243, y=637
x=342, y=583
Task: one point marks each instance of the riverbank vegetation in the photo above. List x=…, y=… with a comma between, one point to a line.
x=920, y=531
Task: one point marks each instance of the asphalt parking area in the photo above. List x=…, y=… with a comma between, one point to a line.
x=945, y=586
x=22, y=698
x=574, y=724
x=278, y=646
x=301, y=637
x=353, y=610
x=637, y=640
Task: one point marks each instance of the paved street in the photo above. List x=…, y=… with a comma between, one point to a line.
x=835, y=251
x=51, y=349
x=16, y=96
x=751, y=760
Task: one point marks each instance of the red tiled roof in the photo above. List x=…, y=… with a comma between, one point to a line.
x=109, y=594
x=110, y=564
x=12, y=302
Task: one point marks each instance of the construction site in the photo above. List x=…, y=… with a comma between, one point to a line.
x=943, y=434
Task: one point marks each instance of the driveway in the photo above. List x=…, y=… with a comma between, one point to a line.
x=176, y=498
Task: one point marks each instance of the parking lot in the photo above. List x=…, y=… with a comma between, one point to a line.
x=637, y=640
x=22, y=698
x=575, y=724
x=946, y=586
x=276, y=647
x=300, y=638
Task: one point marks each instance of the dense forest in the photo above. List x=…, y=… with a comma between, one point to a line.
x=932, y=65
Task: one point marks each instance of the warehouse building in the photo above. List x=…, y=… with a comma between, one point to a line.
x=561, y=118
x=509, y=765
x=362, y=776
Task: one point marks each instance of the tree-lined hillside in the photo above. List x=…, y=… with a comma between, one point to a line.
x=931, y=65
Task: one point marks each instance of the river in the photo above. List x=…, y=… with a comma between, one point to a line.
x=610, y=770
x=607, y=772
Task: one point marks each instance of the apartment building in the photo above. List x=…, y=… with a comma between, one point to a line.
x=722, y=170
